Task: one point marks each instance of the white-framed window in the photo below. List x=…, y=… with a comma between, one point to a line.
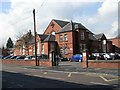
x=61, y=38
x=42, y=48
x=66, y=50
x=66, y=37
x=82, y=35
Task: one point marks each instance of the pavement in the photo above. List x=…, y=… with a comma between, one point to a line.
x=75, y=67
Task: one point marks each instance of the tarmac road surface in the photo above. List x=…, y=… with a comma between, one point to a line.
x=25, y=77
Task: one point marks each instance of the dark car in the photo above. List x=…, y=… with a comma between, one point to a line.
x=64, y=59
x=29, y=57
x=76, y=58
x=1, y=57
x=13, y=57
x=20, y=57
x=42, y=56
x=7, y=57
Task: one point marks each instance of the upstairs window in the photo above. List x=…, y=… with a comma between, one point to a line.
x=65, y=37
x=82, y=35
x=61, y=38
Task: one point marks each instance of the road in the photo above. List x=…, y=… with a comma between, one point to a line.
x=24, y=77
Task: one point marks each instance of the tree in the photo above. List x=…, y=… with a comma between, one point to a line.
x=9, y=43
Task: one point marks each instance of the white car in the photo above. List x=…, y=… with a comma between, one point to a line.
x=106, y=56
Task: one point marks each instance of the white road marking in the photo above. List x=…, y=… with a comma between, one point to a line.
x=69, y=75
x=46, y=77
x=25, y=68
x=104, y=78
x=109, y=80
x=45, y=72
x=98, y=83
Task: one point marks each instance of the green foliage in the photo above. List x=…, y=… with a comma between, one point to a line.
x=9, y=43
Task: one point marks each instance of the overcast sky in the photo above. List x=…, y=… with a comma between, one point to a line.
x=16, y=16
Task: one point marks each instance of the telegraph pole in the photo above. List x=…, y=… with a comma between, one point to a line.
x=35, y=38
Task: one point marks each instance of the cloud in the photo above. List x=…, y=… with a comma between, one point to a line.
x=6, y=30
x=113, y=32
x=104, y=21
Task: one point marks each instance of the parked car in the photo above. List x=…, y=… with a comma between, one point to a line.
x=13, y=57
x=42, y=56
x=76, y=58
x=29, y=57
x=7, y=57
x=115, y=56
x=64, y=59
x=107, y=56
x=20, y=57
x=1, y=57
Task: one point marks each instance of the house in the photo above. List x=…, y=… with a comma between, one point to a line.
x=66, y=39
x=116, y=44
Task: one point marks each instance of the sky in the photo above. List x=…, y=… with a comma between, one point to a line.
x=16, y=16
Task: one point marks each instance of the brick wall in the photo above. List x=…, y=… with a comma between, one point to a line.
x=27, y=62
x=102, y=64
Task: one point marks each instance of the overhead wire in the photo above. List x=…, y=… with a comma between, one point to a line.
x=23, y=19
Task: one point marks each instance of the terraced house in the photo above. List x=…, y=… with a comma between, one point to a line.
x=65, y=39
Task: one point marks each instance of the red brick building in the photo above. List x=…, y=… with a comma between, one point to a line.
x=116, y=44
x=66, y=39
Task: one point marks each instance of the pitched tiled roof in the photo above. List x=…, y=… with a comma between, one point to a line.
x=46, y=38
x=61, y=23
x=50, y=38
x=43, y=36
x=71, y=26
x=91, y=37
x=66, y=28
x=99, y=36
